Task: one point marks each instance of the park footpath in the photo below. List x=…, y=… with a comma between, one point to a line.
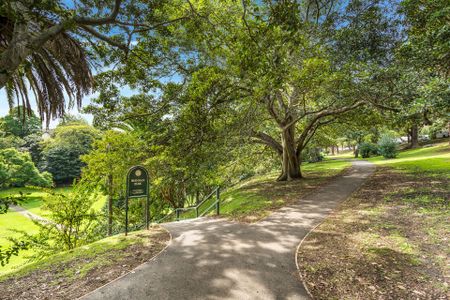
x=211, y=258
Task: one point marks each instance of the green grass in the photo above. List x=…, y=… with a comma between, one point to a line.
x=342, y=155
x=34, y=198
x=94, y=250
x=325, y=168
x=254, y=198
x=435, y=159
x=9, y=222
x=33, y=202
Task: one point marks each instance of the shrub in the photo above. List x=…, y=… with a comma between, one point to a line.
x=367, y=149
x=387, y=146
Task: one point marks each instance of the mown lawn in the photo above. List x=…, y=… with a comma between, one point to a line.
x=431, y=159
x=390, y=239
x=255, y=198
x=8, y=223
x=12, y=221
x=33, y=197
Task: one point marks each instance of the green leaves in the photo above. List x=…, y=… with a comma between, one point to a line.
x=17, y=169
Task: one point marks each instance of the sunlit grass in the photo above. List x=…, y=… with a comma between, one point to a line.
x=93, y=250
x=255, y=197
x=33, y=202
x=435, y=158
x=9, y=222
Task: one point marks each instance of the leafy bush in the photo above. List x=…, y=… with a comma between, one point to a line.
x=312, y=154
x=367, y=149
x=387, y=146
x=17, y=169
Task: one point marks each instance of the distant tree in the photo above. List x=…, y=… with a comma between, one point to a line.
x=10, y=141
x=61, y=154
x=20, y=123
x=17, y=169
x=34, y=144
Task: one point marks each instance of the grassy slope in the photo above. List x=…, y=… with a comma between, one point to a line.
x=389, y=239
x=255, y=198
x=431, y=159
x=96, y=249
x=71, y=274
x=15, y=221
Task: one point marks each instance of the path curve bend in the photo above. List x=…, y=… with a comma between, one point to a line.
x=218, y=259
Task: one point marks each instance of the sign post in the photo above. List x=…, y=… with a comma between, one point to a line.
x=137, y=187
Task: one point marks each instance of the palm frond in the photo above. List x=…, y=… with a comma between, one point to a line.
x=59, y=74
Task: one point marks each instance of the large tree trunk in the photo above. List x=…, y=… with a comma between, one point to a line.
x=414, y=136
x=290, y=158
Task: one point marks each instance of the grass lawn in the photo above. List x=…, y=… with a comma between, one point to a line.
x=14, y=221
x=390, y=239
x=255, y=198
x=433, y=159
x=71, y=274
x=34, y=198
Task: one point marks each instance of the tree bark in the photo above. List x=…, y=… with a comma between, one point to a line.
x=290, y=158
x=332, y=150
x=110, y=204
x=414, y=136
x=448, y=131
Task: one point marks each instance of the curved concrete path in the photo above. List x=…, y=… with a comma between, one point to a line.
x=26, y=213
x=218, y=259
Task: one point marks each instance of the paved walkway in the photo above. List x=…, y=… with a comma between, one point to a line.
x=27, y=213
x=218, y=259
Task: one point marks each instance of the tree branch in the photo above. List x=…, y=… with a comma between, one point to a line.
x=325, y=113
x=266, y=139
x=100, y=21
x=103, y=37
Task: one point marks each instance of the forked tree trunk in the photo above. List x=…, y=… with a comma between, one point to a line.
x=414, y=136
x=290, y=158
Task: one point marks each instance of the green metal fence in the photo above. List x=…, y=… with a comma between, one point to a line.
x=201, y=209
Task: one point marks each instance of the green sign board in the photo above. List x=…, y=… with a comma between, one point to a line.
x=137, y=182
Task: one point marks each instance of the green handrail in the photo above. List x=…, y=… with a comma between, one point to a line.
x=216, y=191
x=216, y=204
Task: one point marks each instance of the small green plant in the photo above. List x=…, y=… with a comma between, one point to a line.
x=367, y=149
x=71, y=222
x=387, y=146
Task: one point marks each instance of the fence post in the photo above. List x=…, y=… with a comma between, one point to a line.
x=218, y=200
x=196, y=211
x=178, y=215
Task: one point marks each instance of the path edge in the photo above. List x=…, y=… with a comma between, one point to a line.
x=334, y=211
x=134, y=269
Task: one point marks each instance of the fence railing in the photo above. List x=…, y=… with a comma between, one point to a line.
x=196, y=211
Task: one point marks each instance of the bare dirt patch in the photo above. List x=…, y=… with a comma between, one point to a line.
x=390, y=240
x=70, y=280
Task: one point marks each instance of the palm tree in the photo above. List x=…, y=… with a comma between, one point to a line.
x=57, y=69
